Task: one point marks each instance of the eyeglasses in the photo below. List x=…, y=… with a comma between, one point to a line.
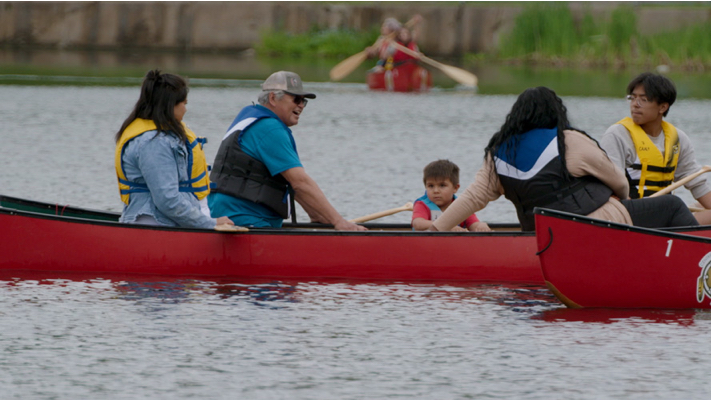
x=640, y=100
x=298, y=100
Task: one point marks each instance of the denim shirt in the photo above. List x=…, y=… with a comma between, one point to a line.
x=161, y=161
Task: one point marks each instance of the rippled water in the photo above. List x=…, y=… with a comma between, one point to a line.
x=69, y=337
x=366, y=150
x=195, y=339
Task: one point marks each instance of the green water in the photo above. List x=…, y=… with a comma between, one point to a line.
x=53, y=67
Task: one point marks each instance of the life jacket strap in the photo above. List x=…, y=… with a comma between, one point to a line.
x=557, y=193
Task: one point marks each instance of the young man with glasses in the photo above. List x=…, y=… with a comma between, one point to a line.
x=257, y=173
x=652, y=152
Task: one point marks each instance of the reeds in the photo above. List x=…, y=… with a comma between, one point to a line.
x=549, y=33
x=325, y=43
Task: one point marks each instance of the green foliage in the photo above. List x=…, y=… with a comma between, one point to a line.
x=545, y=32
x=318, y=43
x=549, y=32
x=543, y=28
x=691, y=45
x=621, y=29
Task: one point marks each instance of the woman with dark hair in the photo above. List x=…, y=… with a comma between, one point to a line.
x=161, y=169
x=537, y=160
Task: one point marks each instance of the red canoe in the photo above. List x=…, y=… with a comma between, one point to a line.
x=593, y=263
x=44, y=237
x=408, y=77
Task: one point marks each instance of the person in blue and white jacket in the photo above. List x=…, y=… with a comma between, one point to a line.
x=537, y=159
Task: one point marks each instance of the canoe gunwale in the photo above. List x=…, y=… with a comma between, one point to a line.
x=665, y=232
x=299, y=229
x=96, y=217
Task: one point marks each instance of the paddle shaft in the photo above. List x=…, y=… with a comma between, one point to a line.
x=678, y=184
x=365, y=218
x=345, y=67
x=458, y=74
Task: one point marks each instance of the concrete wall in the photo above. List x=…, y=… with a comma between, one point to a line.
x=449, y=29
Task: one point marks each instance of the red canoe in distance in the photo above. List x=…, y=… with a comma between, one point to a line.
x=408, y=77
x=54, y=238
x=592, y=263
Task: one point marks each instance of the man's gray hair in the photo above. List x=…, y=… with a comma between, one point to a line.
x=263, y=98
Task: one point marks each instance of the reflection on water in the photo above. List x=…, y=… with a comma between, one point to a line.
x=609, y=316
x=148, y=337
x=178, y=291
x=173, y=292
x=256, y=293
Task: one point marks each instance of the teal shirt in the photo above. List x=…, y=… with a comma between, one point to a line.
x=270, y=142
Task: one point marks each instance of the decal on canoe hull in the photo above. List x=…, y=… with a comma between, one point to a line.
x=704, y=282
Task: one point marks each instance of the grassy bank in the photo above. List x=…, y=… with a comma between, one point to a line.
x=324, y=44
x=544, y=34
x=549, y=34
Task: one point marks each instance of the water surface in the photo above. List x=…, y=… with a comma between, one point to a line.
x=118, y=337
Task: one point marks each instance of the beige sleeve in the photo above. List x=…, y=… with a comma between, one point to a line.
x=584, y=157
x=485, y=188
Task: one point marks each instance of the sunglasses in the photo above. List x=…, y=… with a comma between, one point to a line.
x=298, y=100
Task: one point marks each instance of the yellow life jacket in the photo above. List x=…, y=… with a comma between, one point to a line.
x=652, y=171
x=199, y=182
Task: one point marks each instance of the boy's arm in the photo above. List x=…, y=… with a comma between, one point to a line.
x=420, y=216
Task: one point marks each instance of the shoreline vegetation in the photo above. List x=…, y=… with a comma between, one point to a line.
x=544, y=34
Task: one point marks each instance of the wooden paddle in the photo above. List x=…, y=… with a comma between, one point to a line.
x=677, y=184
x=406, y=207
x=345, y=67
x=466, y=78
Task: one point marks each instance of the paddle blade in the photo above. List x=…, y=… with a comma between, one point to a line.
x=345, y=67
x=464, y=77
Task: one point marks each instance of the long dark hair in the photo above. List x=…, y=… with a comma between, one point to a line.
x=160, y=93
x=535, y=108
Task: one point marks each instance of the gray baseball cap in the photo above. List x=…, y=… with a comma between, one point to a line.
x=287, y=81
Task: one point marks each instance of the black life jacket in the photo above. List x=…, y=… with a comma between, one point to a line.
x=237, y=174
x=536, y=178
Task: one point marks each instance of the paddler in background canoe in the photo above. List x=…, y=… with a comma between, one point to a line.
x=257, y=172
x=652, y=152
x=160, y=165
x=401, y=71
x=537, y=160
x=389, y=30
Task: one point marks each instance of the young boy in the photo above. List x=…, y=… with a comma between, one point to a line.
x=441, y=179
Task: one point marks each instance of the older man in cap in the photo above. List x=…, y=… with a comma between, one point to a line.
x=257, y=172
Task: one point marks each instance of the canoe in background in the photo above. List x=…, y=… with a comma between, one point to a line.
x=408, y=77
x=49, y=237
x=592, y=263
